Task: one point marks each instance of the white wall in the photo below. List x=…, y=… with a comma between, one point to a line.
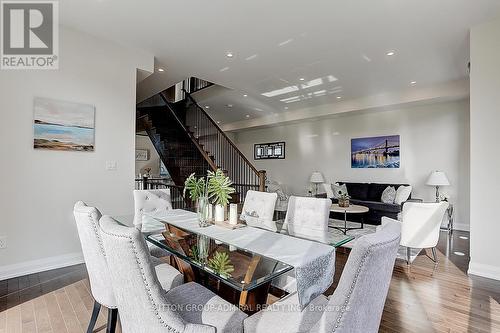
x=38, y=187
x=485, y=160
x=144, y=142
x=433, y=137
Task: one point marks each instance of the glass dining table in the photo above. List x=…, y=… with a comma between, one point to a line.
x=240, y=276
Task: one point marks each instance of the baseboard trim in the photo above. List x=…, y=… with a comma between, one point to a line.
x=40, y=265
x=487, y=271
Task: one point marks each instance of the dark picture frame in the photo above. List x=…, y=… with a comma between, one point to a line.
x=269, y=151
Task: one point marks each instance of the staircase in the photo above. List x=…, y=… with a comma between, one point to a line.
x=189, y=141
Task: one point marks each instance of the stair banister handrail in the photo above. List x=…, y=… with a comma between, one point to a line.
x=257, y=172
x=198, y=146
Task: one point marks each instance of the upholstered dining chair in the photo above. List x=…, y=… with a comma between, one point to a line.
x=87, y=222
x=307, y=217
x=356, y=304
x=420, y=224
x=151, y=202
x=144, y=306
x=258, y=210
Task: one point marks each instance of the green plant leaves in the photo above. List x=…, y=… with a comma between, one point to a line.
x=221, y=264
x=219, y=187
x=195, y=186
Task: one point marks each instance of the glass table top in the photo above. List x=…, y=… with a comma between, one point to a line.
x=239, y=268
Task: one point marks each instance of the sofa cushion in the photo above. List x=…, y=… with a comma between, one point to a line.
x=377, y=205
x=358, y=190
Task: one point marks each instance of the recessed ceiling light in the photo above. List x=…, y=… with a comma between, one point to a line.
x=230, y=105
x=207, y=106
x=339, y=97
x=301, y=79
x=390, y=53
x=248, y=116
x=229, y=54
x=218, y=121
x=245, y=95
x=161, y=70
x=413, y=83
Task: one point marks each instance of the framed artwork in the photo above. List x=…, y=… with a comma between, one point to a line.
x=268, y=151
x=375, y=152
x=60, y=125
x=141, y=155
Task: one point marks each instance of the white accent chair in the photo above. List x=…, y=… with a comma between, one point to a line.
x=144, y=306
x=87, y=222
x=307, y=218
x=420, y=224
x=358, y=301
x=258, y=210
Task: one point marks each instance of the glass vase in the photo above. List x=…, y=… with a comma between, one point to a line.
x=202, y=211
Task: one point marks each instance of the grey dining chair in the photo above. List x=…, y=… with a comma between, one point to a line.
x=87, y=222
x=144, y=306
x=356, y=304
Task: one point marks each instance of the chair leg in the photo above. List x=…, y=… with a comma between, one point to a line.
x=434, y=256
x=112, y=317
x=408, y=255
x=93, y=318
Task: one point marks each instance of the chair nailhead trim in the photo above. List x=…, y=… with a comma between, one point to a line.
x=146, y=284
x=358, y=271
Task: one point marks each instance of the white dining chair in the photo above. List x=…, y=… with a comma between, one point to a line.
x=144, y=306
x=258, y=210
x=420, y=223
x=356, y=304
x=154, y=202
x=308, y=217
x=151, y=202
x=87, y=222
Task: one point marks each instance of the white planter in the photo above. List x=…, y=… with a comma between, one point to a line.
x=219, y=213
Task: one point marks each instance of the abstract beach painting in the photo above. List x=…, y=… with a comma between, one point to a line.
x=375, y=152
x=63, y=125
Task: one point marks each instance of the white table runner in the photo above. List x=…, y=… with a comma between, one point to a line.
x=314, y=262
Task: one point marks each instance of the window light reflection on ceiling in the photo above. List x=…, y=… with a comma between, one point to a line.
x=292, y=88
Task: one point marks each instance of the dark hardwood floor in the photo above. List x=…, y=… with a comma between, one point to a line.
x=422, y=298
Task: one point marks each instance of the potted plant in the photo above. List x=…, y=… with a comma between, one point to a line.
x=198, y=193
x=343, y=199
x=219, y=190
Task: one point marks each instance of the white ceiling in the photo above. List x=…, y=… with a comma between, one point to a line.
x=338, y=47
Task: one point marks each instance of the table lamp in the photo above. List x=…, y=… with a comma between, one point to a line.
x=438, y=178
x=316, y=179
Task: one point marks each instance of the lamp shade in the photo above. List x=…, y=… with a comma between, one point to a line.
x=317, y=178
x=438, y=178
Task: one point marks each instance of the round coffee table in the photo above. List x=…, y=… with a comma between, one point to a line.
x=352, y=209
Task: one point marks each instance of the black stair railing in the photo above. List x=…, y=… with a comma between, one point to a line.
x=221, y=149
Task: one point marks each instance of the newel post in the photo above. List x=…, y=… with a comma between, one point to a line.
x=262, y=180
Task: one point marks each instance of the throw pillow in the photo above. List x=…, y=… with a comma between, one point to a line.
x=402, y=194
x=339, y=188
x=389, y=195
x=328, y=190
